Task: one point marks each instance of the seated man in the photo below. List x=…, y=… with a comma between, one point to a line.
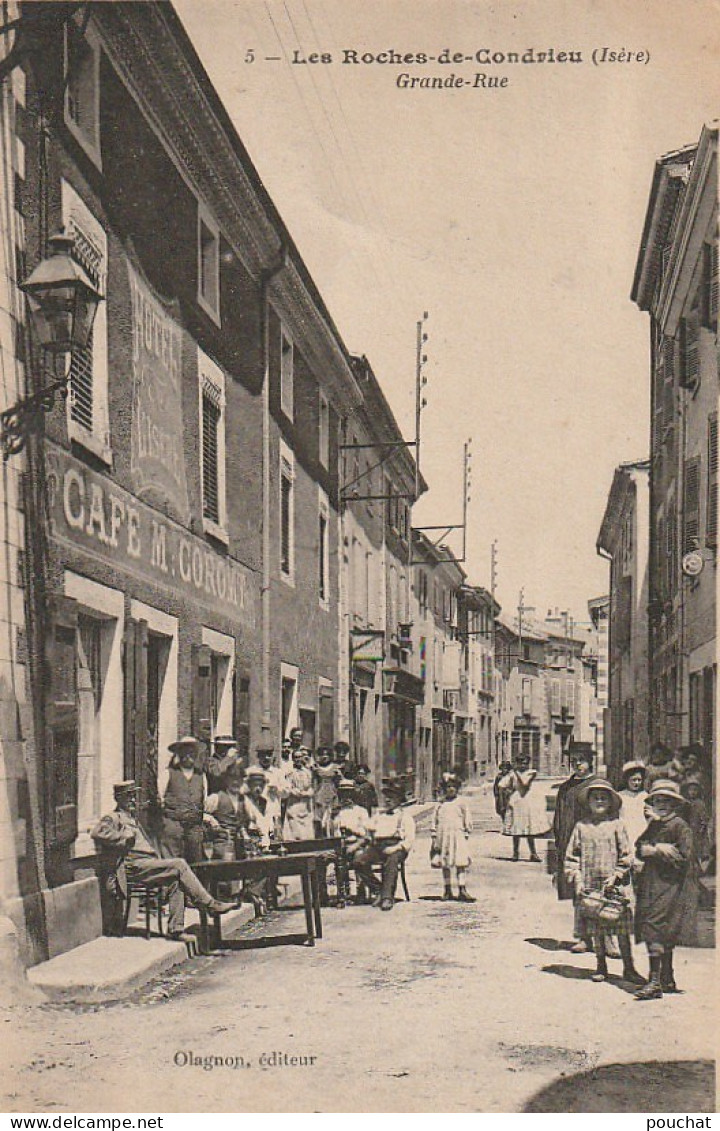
x=349, y=821
x=131, y=856
x=392, y=835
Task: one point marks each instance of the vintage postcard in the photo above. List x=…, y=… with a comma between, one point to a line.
x=358, y=557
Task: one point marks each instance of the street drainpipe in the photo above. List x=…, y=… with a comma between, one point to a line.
x=266, y=278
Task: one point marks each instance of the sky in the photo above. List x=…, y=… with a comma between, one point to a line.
x=512, y=215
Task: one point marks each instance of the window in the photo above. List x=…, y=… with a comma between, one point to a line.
x=324, y=430
x=323, y=549
x=287, y=508
x=212, y=447
x=286, y=373
x=712, y=482
x=88, y=411
x=208, y=265
x=82, y=88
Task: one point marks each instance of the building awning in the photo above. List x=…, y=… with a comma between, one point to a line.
x=401, y=684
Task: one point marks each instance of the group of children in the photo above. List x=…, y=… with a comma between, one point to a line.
x=632, y=859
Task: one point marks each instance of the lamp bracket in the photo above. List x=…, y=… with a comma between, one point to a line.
x=23, y=418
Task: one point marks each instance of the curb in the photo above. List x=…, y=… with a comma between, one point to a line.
x=108, y=969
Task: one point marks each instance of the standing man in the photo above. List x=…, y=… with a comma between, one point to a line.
x=184, y=802
x=392, y=835
x=567, y=814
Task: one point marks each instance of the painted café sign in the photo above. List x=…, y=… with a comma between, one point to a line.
x=89, y=511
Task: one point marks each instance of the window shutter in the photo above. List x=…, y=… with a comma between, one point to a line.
x=211, y=411
x=201, y=694
x=689, y=353
x=241, y=713
x=327, y=716
x=81, y=385
x=668, y=356
x=659, y=558
x=691, y=505
x=710, y=286
x=136, y=714
x=61, y=776
x=671, y=550
x=285, y=519
x=712, y=482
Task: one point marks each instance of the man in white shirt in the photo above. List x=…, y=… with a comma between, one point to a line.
x=392, y=835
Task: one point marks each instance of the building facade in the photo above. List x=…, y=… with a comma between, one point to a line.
x=623, y=539
x=546, y=696
x=676, y=283
x=379, y=665
x=180, y=560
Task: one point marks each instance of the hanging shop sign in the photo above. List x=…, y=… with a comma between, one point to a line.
x=157, y=460
x=90, y=512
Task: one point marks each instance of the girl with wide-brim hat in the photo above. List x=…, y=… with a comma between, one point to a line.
x=667, y=886
x=598, y=861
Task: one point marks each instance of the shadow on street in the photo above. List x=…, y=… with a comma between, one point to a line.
x=648, y=1086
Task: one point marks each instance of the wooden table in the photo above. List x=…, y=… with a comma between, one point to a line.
x=212, y=873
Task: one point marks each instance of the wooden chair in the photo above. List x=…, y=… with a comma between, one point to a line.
x=152, y=899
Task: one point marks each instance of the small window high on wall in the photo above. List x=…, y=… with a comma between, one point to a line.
x=208, y=264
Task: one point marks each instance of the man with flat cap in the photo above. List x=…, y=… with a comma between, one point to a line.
x=130, y=855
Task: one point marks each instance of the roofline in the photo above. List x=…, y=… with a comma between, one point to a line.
x=624, y=478
x=227, y=124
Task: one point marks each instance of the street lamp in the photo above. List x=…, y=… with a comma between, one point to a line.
x=62, y=301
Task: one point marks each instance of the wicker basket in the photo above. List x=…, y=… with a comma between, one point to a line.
x=606, y=909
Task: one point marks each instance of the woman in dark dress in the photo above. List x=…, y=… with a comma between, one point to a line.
x=667, y=887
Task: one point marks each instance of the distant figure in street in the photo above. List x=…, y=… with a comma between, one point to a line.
x=365, y=792
x=127, y=853
x=632, y=797
x=184, y=802
x=299, y=822
x=392, y=835
x=598, y=860
x=667, y=887
x=451, y=828
x=697, y=816
x=526, y=814
x=224, y=754
x=662, y=765
x=501, y=796
x=567, y=812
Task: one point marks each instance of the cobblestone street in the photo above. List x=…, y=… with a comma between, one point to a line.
x=433, y=1007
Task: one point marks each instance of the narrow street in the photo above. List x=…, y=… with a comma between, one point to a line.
x=433, y=1007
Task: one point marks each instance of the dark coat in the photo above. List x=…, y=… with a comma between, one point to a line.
x=567, y=815
x=667, y=891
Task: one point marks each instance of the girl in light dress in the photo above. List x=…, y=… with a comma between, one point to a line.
x=633, y=796
x=597, y=863
x=451, y=828
x=526, y=814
